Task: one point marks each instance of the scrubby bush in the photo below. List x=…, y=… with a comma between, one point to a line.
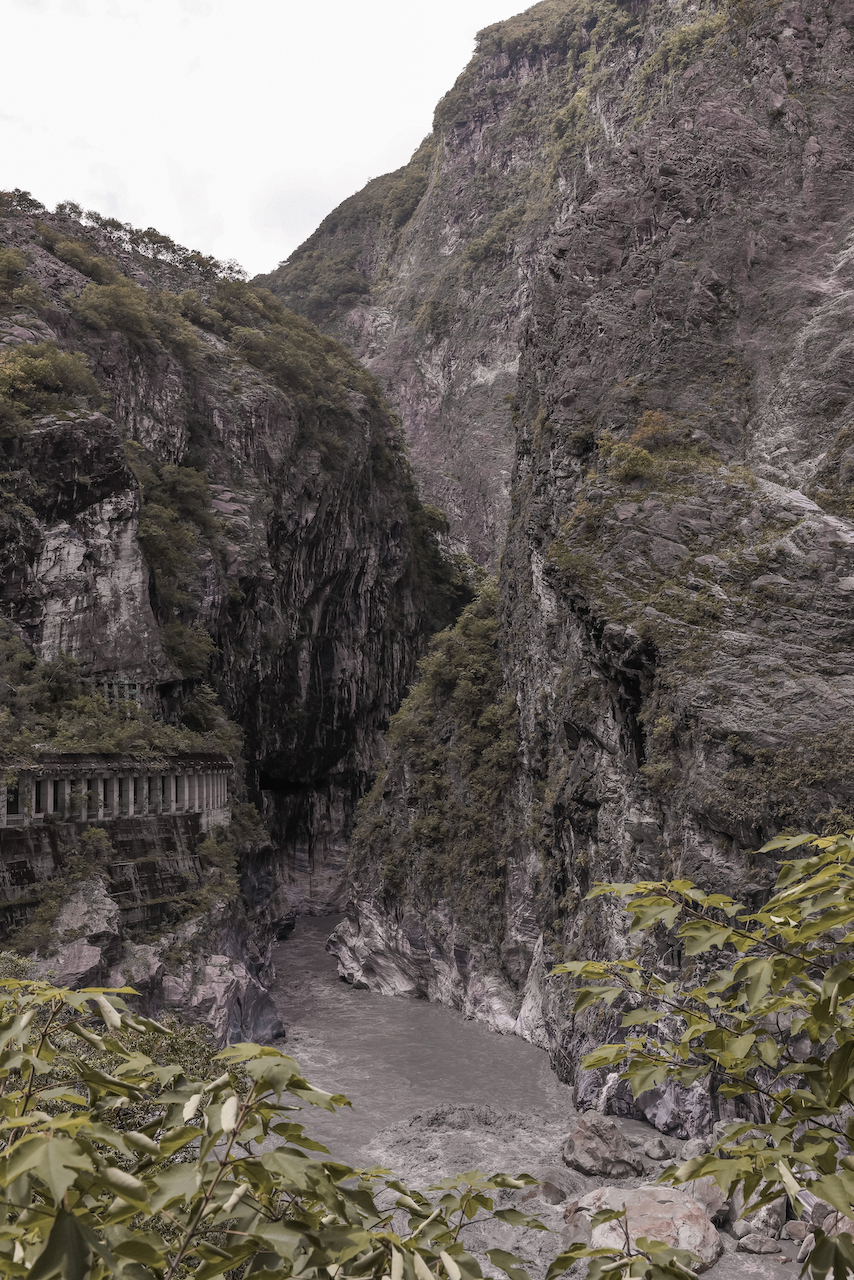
x=18, y=203
x=16, y=289
x=653, y=431
x=80, y=256
x=121, y=306
x=631, y=462
x=38, y=378
x=150, y=318
x=189, y=649
x=175, y=522
x=46, y=706
x=763, y=1012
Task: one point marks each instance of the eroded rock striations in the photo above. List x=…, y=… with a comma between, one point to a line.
x=208, y=507
x=426, y=275
x=675, y=622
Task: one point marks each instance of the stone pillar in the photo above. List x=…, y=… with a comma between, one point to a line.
x=2, y=802
x=171, y=790
x=100, y=784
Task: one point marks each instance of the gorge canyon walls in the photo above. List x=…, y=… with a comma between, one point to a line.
x=207, y=507
x=673, y=637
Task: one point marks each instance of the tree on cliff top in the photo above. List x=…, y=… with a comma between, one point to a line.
x=770, y=1020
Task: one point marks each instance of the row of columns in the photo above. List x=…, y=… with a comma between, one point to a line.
x=115, y=795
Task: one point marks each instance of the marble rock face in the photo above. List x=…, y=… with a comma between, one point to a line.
x=596, y=1146
x=658, y=1213
x=676, y=577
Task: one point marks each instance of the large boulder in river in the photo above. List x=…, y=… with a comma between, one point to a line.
x=659, y=1213
x=709, y=1197
x=597, y=1147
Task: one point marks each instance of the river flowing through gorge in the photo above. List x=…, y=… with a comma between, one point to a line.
x=398, y=1058
x=433, y=1093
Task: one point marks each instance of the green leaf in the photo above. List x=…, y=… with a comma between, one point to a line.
x=641, y=1017
x=66, y=1253
x=837, y=1190
x=509, y=1263
x=606, y=1215
x=518, y=1219
x=565, y=1260
x=57, y=1162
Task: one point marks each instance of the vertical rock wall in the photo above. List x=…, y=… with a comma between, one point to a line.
x=676, y=604
x=313, y=572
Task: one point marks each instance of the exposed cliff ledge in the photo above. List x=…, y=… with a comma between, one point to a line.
x=676, y=616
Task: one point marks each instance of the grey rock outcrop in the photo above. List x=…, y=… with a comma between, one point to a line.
x=659, y=1213
x=86, y=938
x=755, y=1243
x=597, y=1147
x=708, y=1195
x=182, y=973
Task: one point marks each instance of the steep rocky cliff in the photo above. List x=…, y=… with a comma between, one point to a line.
x=206, y=504
x=676, y=588
x=425, y=275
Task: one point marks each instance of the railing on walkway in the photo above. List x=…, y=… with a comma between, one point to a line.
x=78, y=788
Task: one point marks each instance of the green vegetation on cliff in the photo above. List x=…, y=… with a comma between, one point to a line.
x=435, y=818
x=38, y=379
x=46, y=706
x=176, y=527
x=322, y=279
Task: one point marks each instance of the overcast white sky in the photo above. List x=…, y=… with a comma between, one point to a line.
x=233, y=126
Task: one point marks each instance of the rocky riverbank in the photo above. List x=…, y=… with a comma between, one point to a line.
x=584, y=1163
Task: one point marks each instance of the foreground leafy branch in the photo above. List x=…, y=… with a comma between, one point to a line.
x=769, y=1020
x=112, y=1165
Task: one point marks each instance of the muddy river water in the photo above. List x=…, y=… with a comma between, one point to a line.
x=434, y=1094
x=392, y=1056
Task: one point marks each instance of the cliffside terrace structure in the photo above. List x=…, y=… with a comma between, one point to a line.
x=100, y=788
